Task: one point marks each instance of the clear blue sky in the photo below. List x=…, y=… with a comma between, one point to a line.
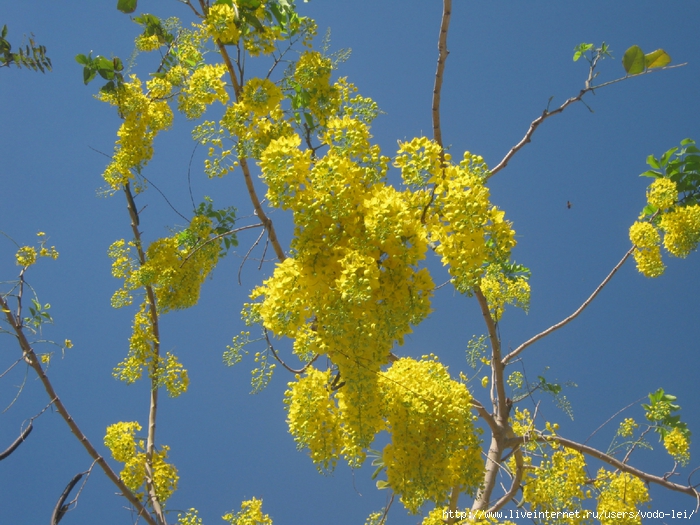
x=506, y=60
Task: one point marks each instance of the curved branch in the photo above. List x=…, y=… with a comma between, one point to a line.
x=285, y=365
x=573, y=316
x=17, y=442
x=590, y=451
x=60, y=509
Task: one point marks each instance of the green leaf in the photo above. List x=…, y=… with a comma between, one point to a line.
x=634, y=61
x=82, y=59
x=650, y=173
x=381, y=484
x=581, y=49
x=88, y=75
x=126, y=6
x=658, y=58
x=651, y=160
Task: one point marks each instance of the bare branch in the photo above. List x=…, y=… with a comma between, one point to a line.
x=546, y=113
x=439, y=74
x=285, y=365
x=573, y=316
x=60, y=509
x=17, y=442
x=514, y=486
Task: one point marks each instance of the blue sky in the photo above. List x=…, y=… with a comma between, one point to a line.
x=506, y=60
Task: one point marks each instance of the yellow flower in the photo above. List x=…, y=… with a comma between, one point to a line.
x=662, y=193
x=68, y=343
x=26, y=256
x=627, y=427
x=485, y=381
x=677, y=444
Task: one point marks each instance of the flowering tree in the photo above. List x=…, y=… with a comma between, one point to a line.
x=354, y=280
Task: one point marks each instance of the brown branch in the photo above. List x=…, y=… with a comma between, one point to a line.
x=153, y=372
x=33, y=361
x=454, y=500
x=285, y=365
x=60, y=509
x=546, y=113
x=490, y=421
x=499, y=400
x=573, y=316
x=17, y=442
x=439, y=74
x=514, y=486
x=602, y=456
x=252, y=193
x=217, y=237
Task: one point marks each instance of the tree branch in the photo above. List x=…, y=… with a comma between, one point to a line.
x=605, y=458
x=442, y=58
x=573, y=316
x=546, y=113
x=31, y=358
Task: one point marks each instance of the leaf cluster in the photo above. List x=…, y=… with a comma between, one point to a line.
x=222, y=220
x=682, y=166
x=660, y=411
x=31, y=56
x=635, y=61
x=109, y=69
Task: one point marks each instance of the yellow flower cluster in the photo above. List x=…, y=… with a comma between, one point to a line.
x=253, y=121
x=681, y=228
x=172, y=375
x=627, y=427
x=202, y=88
x=144, y=118
x=221, y=23
x=251, y=514
x=175, y=267
x=680, y=225
x=556, y=485
x=140, y=348
x=648, y=253
x=466, y=229
x=662, y=193
x=313, y=417
x=313, y=75
x=433, y=443
x=620, y=494
x=677, y=444
x=120, y=440
x=499, y=290
x=191, y=517
x=26, y=255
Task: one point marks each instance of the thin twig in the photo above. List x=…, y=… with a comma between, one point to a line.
x=573, y=316
x=217, y=237
x=247, y=254
x=285, y=365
